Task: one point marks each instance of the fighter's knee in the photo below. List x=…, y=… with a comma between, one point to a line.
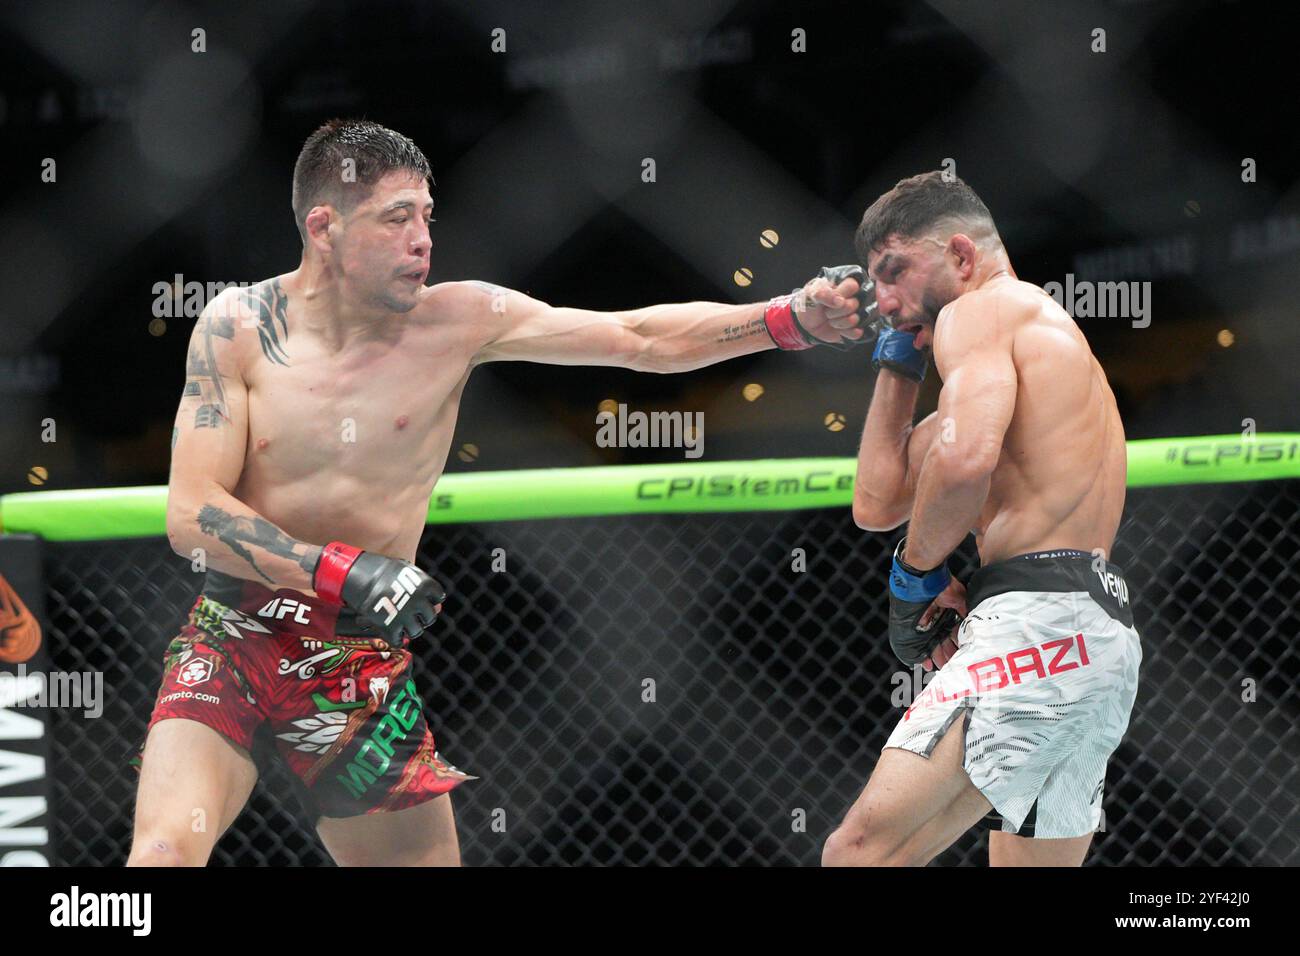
x=162, y=850
x=840, y=849
x=858, y=846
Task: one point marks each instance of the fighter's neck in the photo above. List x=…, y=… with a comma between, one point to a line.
x=321, y=310
x=996, y=271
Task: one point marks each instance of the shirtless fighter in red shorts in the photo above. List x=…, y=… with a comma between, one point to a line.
x=316, y=417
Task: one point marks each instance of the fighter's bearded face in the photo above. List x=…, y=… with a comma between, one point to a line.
x=381, y=249
x=915, y=279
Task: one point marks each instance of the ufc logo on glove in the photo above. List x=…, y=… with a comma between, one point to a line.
x=403, y=586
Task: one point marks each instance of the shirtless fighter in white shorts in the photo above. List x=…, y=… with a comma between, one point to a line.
x=1034, y=690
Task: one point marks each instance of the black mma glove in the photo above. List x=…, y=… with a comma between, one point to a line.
x=788, y=332
x=399, y=599
x=911, y=592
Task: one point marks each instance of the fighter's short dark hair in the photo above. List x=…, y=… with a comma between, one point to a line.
x=323, y=174
x=916, y=205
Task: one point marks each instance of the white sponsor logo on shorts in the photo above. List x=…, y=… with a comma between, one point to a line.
x=992, y=674
x=1114, y=585
x=190, y=695
x=280, y=608
x=195, y=672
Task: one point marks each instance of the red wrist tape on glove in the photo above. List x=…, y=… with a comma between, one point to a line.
x=336, y=559
x=780, y=322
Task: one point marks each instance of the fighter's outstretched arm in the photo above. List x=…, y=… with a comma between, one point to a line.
x=658, y=338
x=973, y=349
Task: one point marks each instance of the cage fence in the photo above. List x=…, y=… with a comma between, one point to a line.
x=671, y=690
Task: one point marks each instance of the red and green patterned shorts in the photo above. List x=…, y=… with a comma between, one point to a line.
x=341, y=706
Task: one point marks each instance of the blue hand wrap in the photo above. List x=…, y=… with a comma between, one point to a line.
x=917, y=588
x=895, y=351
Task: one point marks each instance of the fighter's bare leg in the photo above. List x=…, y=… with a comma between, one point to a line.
x=1007, y=849
x=423, y=835
x=912, y=809
x=193, y=783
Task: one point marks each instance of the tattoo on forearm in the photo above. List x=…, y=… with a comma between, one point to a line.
x=270, y=305
x=235, y=531
x=734, y=333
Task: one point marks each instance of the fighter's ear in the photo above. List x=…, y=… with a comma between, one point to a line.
x=317, y=225
x=963, y=249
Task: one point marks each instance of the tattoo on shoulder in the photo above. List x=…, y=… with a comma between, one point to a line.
x=745, y=330
x=222, y=326
x=202, y=377
x=270, y=306
x=241, y=533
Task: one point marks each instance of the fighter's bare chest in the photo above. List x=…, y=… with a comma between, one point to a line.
x=377, y=399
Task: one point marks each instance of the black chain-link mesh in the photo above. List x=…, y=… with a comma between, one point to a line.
x=772, y=687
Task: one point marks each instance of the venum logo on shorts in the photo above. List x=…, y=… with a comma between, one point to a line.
x=195, y=672
x=994, y=673
x=1115, y=586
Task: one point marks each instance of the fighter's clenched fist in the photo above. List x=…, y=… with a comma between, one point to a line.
x=837, y=308
x=399, y=599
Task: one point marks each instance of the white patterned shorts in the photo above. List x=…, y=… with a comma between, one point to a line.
x=1047, y=680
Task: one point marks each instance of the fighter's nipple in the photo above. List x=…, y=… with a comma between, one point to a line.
x=262, y=443
x=402, y=421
